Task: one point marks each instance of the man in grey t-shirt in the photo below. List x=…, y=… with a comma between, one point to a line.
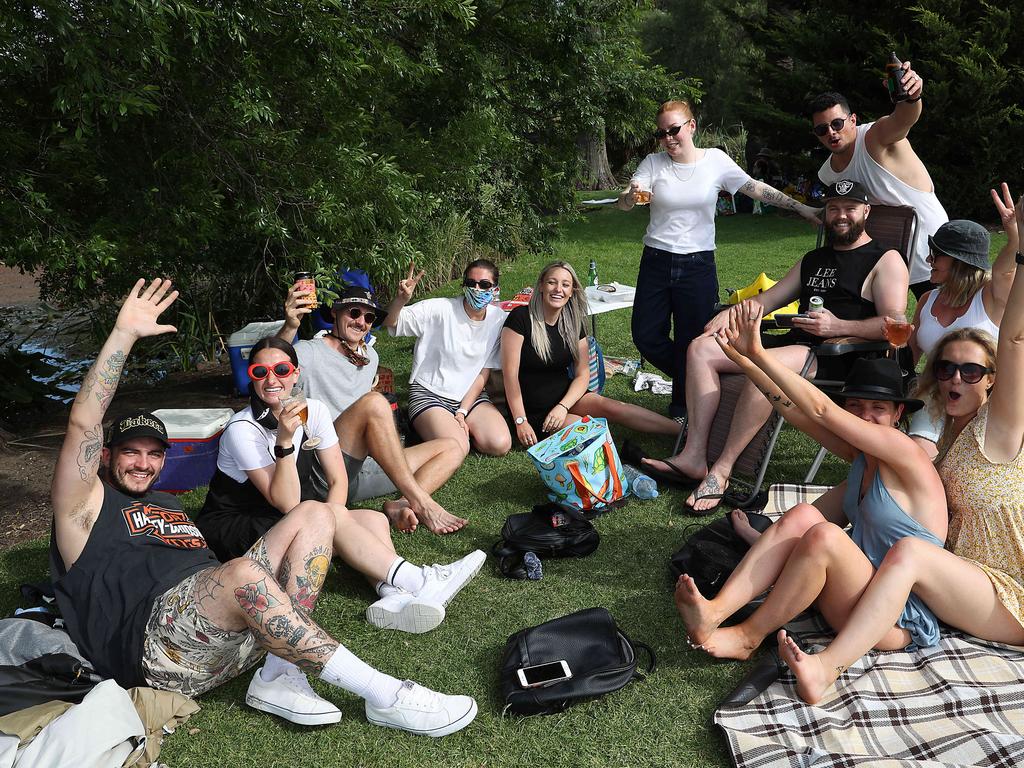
x=339, y=370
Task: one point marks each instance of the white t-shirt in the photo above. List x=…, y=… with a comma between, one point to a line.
x=684, y=196
x=246, y=445
x=451, y=349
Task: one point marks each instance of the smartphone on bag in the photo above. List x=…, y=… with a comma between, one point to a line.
x=541, y=675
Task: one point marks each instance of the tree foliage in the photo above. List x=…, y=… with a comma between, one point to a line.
x=225, y=145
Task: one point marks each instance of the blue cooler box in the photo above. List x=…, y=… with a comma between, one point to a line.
x=239, y=344
x=194, y=434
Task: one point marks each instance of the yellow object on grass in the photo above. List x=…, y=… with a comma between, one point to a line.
x=761, y=284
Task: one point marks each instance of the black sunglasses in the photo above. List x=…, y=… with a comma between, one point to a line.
x=282, y=370
x=355, y=313
x=970, y=373
x=661, y=133
x=836, y=125
x=483, y=285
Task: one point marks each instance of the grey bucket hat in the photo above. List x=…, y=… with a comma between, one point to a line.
x=964, y=240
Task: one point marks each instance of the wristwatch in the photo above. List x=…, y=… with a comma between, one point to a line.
x=281, y=452
x=520, y=420
x=463, y=411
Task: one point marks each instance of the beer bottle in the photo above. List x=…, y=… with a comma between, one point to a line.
x=894, y=72
x=592, y=273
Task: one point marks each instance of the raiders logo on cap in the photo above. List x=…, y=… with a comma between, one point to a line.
x=848, y=189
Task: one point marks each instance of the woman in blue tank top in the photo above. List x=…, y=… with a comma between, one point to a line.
x=891, y=492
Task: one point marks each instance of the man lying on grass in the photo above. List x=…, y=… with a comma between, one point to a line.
x=147, y=602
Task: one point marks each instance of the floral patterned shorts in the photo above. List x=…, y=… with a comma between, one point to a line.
x=184, y=651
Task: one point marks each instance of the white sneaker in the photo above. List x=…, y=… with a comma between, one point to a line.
x=399, y=610
x=291, y=697
x=424, y=712
x=443, y=582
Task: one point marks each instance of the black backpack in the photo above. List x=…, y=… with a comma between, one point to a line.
x=712, y=552
x=599, y=655
x=534, y=532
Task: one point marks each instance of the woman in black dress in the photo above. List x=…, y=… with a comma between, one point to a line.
x=538, y=344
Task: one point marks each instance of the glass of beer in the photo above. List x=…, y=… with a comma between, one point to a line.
x=643, y=196
x=897, y=332
x=307, y=285
x=298, y=396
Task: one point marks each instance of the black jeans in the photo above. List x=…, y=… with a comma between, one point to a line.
x=675, y=293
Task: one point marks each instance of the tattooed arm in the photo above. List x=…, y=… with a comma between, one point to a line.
x=758, y=190
x=75, y=491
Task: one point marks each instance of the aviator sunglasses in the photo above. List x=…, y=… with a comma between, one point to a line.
x=836, y=125
x=483, y=285
x=970, y=373
x=282, y=370
x=661, y=133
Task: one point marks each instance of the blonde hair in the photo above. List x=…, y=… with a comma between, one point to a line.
x=963, y=283
x=676, y=105
x=570, y=318
x=928, y=384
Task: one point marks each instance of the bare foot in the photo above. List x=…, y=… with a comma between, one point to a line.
x=741, y=524
x=812, y=679
x=708, y=494
x=401, y=515
x=699, y=618
x=730, y=643
x=437, y=518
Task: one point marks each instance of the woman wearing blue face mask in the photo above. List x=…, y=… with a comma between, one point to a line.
x=457, y=345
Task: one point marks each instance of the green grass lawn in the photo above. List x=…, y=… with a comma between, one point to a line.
x=662, y=721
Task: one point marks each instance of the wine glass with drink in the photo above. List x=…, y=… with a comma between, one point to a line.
x=298, y=396
x=897, y=331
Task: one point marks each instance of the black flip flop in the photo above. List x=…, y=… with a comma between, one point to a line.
x=634, y=455
x=691, y=512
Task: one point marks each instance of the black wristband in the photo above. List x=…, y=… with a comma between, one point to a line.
x=1019, y=258
x=913, y=101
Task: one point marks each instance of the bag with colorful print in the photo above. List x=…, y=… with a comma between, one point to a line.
x=581, y=467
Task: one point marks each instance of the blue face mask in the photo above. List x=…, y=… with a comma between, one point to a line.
x=477, y=298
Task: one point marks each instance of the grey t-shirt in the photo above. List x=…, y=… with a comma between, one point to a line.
x=328, y=375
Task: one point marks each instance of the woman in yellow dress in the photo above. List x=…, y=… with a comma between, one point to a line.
x=977, y=583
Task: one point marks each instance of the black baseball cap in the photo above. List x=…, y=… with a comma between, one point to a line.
x=355, y=295
x=847, y=189
x=137, y=425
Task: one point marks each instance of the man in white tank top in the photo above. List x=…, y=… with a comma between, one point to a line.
x=880, y=157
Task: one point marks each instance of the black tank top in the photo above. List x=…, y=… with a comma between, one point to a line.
x=138, y=549
x=838, y=276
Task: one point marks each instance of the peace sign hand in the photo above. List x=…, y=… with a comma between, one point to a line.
x=143, y=306
x=408, y=285
x=1005, y=206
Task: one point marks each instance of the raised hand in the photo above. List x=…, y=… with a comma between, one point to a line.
x=912, y=82
x=1004, y=205
x=744, y=331
x=298, y=303
x=407, y=286
x=143, y=306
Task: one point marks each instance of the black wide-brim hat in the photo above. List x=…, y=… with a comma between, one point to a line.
x=354, y=295
x=875, y=379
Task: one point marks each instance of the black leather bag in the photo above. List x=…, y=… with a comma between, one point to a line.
x=533, y=532
x=600, y=656
x=712, y=552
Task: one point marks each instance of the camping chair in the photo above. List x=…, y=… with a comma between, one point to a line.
x=748, y=473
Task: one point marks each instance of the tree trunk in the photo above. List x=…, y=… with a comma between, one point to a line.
x=596, y=173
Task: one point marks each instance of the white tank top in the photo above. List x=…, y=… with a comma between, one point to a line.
x=931, y=330
x=883, y=187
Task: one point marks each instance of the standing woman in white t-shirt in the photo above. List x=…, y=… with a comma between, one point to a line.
x=457, y=346
x=677, y=287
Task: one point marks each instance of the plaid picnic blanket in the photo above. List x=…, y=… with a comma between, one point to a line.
x=960, y=703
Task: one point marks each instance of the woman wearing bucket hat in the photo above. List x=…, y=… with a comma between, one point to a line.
x=970, y=295
x=891, y=492
x=977, y=584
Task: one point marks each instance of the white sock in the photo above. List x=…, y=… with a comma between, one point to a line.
x=405, y=575
x=274, y=667
x=346, y=670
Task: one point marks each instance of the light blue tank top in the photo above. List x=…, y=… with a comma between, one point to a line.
x=877, y=523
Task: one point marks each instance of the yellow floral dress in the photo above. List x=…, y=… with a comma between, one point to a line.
x=986, y=507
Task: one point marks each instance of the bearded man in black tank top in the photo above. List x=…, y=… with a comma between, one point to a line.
x=147, y=602
x=860, y=283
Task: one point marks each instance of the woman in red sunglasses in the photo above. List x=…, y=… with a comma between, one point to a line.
x=457, y=347
x=677, y=287
x=977, y=582
x=264, y=470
